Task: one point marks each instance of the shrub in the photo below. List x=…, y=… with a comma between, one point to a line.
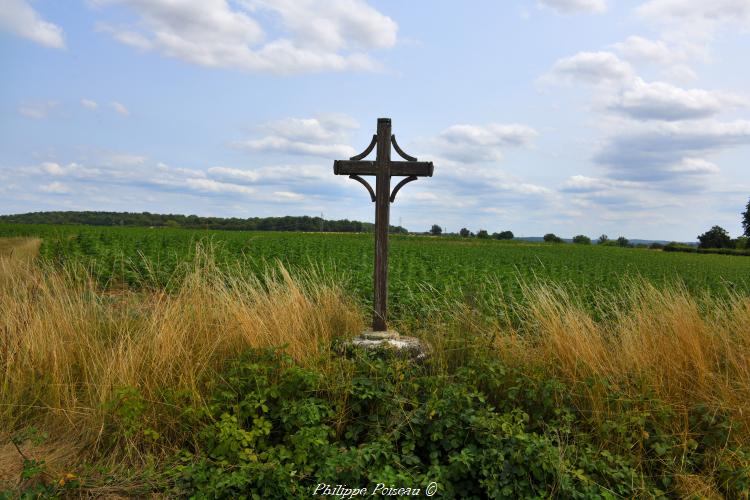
x=503, y=235
x=552, y=238
x=582, y=239
x=274, y=429
x=716, y=237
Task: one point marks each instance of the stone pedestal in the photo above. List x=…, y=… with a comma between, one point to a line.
x=389, y=342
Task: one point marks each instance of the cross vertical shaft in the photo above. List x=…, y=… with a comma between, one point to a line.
x=382, y=223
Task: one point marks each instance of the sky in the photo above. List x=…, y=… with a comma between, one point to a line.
x=574, y=117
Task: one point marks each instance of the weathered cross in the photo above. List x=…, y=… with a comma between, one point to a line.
x=383, y=169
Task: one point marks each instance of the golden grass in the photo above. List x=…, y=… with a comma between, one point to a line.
x=683, y=350
x=19, y=247
x=66, y=347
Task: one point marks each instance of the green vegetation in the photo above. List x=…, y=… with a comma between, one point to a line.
x=486, y=272
x=503, y=235
x=191, y=362
x=716, y=237
x=183, y=394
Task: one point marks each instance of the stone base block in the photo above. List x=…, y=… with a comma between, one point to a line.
x=389, y=342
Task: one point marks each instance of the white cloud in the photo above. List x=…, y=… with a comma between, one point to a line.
x=17, y=16
x=234, y=173
x=321, y=136
x=591, y=67
x=317, y=35
x=73, y=169
x=212, y=186
x=333, y=24
x=179, y=172
x=120, y=108
x=491, y=182
x=123, y=160
x=55, y=188
x=669, y=151
x=715, y=10
x=663, y=101
x=88, y=103
x=288, y=196
x=642, y=49
x=572, y=6
x=585, y=184
x=37, y=110
x=322, y=128
x=696, y=166
x=670, y=58
x=693, y=24
x=472, y=143
x=425, y=196
x=284, y=145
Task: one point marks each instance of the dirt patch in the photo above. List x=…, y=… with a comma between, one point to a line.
x=59, y=460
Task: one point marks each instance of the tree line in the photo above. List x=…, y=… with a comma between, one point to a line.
x=147, y=219
x=715, y=240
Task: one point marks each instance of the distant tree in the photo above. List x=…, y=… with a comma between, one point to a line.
x=746, y=219
x=743, y=242
x=552, y=238
x=582, y=239
x=503, y=235
x=603, y=239
x=716, y=237
x=656, y=246
x=483, y=234
x=465, y=233
x=622, y=241
x=436, y=230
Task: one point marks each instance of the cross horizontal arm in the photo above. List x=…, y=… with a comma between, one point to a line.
x=398, y=168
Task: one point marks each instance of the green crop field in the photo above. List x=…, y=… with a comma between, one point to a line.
x=479, y=271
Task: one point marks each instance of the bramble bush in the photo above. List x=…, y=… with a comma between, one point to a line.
x=276, y=430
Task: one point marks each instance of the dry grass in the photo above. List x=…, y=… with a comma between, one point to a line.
x=66, y=347
x=684, y=350
x=19, y=248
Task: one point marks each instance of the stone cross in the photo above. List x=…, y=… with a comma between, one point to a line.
x=383, y=169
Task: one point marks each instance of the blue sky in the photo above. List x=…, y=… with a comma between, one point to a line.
x=567, y=116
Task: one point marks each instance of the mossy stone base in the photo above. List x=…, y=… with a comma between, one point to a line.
x=389, y=343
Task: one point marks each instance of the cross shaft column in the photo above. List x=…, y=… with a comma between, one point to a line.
x=382, y=223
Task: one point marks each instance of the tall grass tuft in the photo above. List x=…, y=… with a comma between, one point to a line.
x=662, y=342
x=68, y=348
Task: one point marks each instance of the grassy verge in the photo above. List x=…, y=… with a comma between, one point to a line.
x=229, y=384
x=22, y=248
